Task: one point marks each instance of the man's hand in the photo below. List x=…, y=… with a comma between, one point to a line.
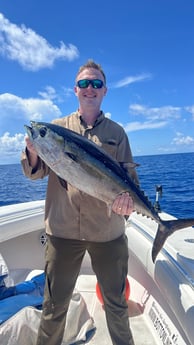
x=123, y=204
x=30, y=146
x=32, y=154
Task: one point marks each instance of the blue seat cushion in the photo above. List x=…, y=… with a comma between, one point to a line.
x=27, y=293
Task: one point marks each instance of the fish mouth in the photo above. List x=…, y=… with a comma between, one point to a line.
x=31, y=131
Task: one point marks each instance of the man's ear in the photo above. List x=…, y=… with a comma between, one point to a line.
x=105, y=91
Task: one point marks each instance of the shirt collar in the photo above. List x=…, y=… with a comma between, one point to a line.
x=99, y=119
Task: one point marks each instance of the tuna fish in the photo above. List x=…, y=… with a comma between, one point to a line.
x=84, y=165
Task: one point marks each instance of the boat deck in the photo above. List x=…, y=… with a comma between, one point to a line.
x=140, y=328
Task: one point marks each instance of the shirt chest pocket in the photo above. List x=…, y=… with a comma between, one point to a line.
x=110, y=146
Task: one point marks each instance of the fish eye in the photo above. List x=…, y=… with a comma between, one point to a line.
x=43, y=131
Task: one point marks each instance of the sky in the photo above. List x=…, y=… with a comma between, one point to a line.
x=146, y=48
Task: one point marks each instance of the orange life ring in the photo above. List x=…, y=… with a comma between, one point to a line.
x=127, y=291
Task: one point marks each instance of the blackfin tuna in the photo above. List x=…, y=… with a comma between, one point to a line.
x=84, y=165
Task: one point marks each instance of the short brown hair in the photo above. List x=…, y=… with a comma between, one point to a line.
x=91, y=64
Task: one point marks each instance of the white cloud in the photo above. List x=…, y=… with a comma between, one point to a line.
x=15, y=112
x=131, y=79
x=155, y=113
x=68, y=92
x=156, y=117
x=15, y=141
x=16, y=108
x=180, y=139
x=49, y=93
x=190, y=109
x=137, y=126
x=11, y=147
x=108, y=115
x=29, y=49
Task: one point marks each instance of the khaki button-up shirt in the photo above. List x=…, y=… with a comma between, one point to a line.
x=70, y=213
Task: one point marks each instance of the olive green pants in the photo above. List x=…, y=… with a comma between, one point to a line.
x=63, y=261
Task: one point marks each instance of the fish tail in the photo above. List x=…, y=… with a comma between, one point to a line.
x=165, y=229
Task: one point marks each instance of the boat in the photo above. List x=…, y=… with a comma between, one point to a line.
x=161, y=298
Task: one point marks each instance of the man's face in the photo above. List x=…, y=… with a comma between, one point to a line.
x=90, y=97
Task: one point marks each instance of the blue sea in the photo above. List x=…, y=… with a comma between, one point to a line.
x=174, y=172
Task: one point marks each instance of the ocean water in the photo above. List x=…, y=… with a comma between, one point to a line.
x=174, y=172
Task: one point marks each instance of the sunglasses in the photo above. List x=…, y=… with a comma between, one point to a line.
x=84, y=83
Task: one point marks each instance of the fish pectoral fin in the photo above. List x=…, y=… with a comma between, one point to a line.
x=63, y=183
x=71, y=155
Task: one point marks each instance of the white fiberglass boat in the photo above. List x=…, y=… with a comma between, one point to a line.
x=161, y=300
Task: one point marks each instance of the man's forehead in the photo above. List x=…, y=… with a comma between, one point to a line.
x=90, y=73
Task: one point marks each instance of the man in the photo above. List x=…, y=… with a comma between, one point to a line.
x=76, y=222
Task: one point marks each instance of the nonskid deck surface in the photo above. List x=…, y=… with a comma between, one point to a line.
x=142, y=336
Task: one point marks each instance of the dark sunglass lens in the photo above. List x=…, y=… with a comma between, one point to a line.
x=83, y=83
x=97, y=84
